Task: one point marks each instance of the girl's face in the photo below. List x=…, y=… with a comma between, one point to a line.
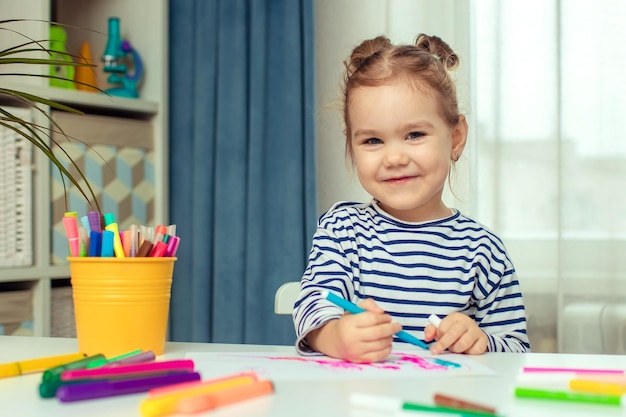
x=402, y=148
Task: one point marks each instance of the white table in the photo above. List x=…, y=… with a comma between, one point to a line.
x=19, y=396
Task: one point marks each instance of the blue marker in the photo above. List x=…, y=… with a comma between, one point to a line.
x=95, y=243
x=354, y=309
x=446, y=363
x=85, y=222
x=106, y=250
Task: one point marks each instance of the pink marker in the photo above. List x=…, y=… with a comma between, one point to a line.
x=178, y=365
x=71, y=230
x=531, y=369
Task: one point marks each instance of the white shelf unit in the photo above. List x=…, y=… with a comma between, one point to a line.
x=145, y=24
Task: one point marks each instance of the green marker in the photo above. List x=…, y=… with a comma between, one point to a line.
x=406, y=406
x=386, y=404
x=48, y=389
x=540, y=394
x=53, y=374
x=98, y=363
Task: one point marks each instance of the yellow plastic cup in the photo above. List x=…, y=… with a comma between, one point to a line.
x=121, y=304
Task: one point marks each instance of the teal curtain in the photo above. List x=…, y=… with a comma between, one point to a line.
x=242, y=165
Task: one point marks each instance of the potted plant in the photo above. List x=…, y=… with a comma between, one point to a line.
x=39, y=135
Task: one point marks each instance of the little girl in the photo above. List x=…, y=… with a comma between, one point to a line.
x=405, y=255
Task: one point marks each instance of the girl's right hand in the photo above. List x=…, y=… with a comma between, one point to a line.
x=361, y=338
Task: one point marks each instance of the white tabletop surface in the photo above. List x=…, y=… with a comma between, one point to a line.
x=19, y=395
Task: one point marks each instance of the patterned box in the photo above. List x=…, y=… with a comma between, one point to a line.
x=116, y=154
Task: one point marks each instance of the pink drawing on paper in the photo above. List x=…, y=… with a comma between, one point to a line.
x=396, y=361
x=281, y=367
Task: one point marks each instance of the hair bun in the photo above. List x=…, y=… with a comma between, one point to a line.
x=364, y=51
x=439, y=49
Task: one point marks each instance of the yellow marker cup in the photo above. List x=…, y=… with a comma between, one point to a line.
x=121, y=304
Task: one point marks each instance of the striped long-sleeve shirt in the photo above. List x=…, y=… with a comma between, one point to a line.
x=411, y=270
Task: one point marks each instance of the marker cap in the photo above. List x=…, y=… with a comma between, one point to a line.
x=434, y=320
x=109, y=218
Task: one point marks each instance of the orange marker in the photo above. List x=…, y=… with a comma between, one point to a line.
x=171, y=389
x=159, y=232
x=453, y=402
x=161, y=405
x=203, y=402
x=126, y=237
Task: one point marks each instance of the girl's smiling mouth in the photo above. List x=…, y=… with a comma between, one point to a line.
x=399, y=180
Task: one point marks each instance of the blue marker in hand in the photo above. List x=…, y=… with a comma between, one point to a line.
x=354, y=309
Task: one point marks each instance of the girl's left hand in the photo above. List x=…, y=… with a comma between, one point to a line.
x=458, y=333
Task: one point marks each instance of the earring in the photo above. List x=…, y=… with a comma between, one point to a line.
x=457, y=156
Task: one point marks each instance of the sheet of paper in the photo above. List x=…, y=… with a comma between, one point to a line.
x=278, y=367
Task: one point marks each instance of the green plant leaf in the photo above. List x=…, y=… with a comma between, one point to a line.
x=41, y=136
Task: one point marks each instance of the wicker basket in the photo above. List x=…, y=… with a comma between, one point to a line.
x=62, y=322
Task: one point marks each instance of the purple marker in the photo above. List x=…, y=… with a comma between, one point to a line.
x=94, y=221
x=142, y=357
x=100, y=389
x=172, y=246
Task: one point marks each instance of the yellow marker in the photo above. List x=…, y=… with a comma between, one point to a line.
x=167, y=403
x=597, y=386
x=36, y=365
x=117, y=241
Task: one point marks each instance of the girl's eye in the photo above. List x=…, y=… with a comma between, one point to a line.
x=415, y=135
x=372, y=141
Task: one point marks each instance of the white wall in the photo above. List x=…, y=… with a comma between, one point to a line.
x=340, y=25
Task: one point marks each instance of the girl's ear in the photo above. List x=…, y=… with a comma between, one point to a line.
x=459, y=138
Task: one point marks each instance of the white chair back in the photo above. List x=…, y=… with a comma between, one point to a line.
x=286, y=296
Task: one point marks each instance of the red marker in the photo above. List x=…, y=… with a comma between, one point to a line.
x=144, y=249
x=158, y=250
x=454, y=402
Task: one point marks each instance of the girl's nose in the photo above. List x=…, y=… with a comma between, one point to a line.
x=395, y=157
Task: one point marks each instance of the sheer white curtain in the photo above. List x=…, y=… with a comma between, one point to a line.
x=548, y=160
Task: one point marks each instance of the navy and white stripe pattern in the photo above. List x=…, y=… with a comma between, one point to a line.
x=411, y=270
